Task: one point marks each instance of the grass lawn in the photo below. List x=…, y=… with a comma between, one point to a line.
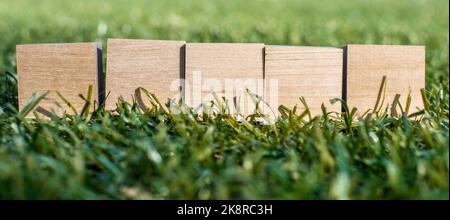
x=153, y=154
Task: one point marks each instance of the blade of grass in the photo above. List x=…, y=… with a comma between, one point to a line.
x=32, y=103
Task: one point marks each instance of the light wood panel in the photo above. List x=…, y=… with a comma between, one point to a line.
x=403, y=66
x=224, y=65
x=312, y=72
x=155, y=65
x=67, y=68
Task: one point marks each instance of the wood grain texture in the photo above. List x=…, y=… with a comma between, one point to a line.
x=151, y=64
x=404, y=67
x=67, y=68
x=312, y=72
x=236, y=63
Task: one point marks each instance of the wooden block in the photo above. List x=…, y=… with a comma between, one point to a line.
x=152, y=64
x=312, y=72
x=404, y=67
x=228, y=69
x=67, y=68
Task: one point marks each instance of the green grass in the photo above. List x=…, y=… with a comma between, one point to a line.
x=136, y=154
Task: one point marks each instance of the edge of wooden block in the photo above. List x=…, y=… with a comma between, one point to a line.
x=98, y=44
x=384, y=45
x=302, y=47
x=224, y=44
x=144, y=40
